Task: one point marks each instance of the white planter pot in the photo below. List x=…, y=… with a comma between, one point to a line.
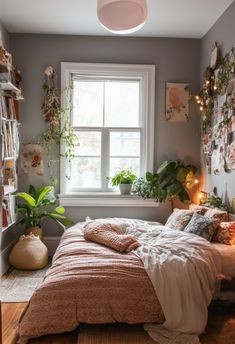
x=125, y=189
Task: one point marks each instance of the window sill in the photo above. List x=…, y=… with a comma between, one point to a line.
x=105, y=200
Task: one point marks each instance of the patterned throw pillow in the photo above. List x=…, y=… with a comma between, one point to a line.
x=225, y=233
x=218, y=214
x=202, y=225
x=179, y=219
x=200, y=209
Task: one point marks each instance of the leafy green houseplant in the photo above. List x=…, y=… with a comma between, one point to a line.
x=215, y=201
x=36, y=206
x=125, y=179
x=171, y=180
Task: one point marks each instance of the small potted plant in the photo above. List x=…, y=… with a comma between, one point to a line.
x=35, y=208
x=125, y=180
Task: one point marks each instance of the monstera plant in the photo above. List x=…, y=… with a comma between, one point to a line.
x=171, y=180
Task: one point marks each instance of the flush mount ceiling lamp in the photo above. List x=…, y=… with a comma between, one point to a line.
x=122, y=16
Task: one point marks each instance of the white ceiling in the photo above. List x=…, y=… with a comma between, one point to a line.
x=166, y=18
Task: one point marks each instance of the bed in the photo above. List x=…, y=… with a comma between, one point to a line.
x=91, y=283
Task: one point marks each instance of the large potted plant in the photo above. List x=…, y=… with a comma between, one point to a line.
x=37, y=205
x=125, y=179
x=173, y=179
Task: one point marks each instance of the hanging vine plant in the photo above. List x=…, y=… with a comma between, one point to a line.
x=59, y=128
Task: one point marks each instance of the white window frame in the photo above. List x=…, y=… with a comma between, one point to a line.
x=146, y=75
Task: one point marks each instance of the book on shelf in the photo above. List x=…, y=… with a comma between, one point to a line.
x=9, y=175
x=8, y=210
x=10, y=140
x=9, y=108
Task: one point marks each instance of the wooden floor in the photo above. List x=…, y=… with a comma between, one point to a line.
x=220, y=329
x=11, y=313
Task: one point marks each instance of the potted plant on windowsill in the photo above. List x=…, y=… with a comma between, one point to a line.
x=125, y=179
x=172, y=180
x=37, y=206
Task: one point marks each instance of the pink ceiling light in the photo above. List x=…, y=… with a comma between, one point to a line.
x=122, y=16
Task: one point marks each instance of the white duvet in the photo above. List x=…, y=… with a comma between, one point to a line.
x=183, y=269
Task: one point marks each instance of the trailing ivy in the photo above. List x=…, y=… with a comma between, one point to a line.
x=59, y=127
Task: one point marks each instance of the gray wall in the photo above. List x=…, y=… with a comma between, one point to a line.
x=176, y=60
x=4, y=37
x=223, y=32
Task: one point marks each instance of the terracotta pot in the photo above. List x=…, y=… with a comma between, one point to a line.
x=37, y=231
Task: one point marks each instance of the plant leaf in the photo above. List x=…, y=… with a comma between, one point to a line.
x=32, y=191
x=43, y=192
x=29, y=199
x=60, y=210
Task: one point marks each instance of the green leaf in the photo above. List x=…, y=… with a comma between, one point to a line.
x=43, y=192
x=60, y=210
x=183, y=196
x=32, y=191
x=149, y=176
x=29, y=199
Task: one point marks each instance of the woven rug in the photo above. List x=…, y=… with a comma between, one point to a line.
x=19, y=285
x=113, y=334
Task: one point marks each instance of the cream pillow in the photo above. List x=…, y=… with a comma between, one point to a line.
x=29, y=253
x=179, y=219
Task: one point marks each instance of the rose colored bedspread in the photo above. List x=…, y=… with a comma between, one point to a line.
x=89, y=283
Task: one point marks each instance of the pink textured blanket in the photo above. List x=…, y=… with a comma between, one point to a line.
x=89, y=283
x=110, y=235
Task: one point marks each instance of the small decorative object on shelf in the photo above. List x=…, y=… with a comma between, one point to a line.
x=10, y=94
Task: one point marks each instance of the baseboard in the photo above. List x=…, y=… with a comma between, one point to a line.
x=51, y=243
x=4, y=262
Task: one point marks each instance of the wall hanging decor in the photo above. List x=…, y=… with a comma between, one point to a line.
x=177, y=102
x=217, y=105
x=31, y=159
x=58, y=122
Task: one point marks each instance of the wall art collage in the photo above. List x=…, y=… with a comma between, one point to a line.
x=217, y=105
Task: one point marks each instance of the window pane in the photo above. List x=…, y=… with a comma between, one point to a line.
x=90, y=143
x=121, y=104
x=85, y=173
x=123, y=163
x=88, y=103
x=124, y=143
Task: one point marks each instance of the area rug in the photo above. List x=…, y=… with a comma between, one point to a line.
x=19, y=285
x=113, y=334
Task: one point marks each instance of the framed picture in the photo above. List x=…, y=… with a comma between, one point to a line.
x=177, y=102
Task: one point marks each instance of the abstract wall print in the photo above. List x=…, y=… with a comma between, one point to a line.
x=31, y=159
x=177, y=102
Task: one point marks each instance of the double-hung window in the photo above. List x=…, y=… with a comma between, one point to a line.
x=113, y=117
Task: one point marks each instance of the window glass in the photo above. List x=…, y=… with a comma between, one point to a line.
x=121, y=104
x=88, y=103
x=124, y=143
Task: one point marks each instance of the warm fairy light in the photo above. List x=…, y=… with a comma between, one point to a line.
x=196, y=181
x=198, y=101
x=202, y=196
x=201, y=108
x=197, y=97
x=207, y=82
x=215, y=88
